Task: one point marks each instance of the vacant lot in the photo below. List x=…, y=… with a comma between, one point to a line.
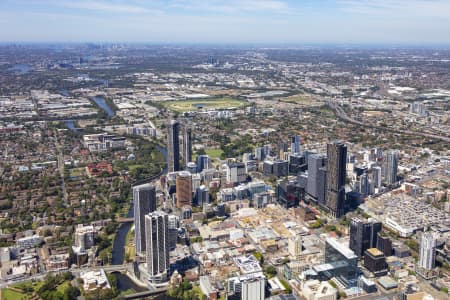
x=301, y=99
x=200, y=104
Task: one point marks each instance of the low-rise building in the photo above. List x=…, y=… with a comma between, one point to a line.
x=316, y=290
x=93, y=280
x=29, y=241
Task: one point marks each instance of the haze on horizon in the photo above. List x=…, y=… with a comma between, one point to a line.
x=418, y=22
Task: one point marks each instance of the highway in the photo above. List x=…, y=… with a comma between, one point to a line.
x=343, y=115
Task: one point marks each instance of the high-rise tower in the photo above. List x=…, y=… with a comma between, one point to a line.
x=183, y=189
x=157, y=241
x=363, y=235
x=315, y=162
x=144, y=198
x=173, y=146
x=295, y=144
x=187, y=145
x=427, y=251
x=391, y=165
x=336, y=172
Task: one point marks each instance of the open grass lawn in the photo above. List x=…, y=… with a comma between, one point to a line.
x=8, y=294
x=77, y=172
x=129, y=245
x=214, y=153
x=134, y=167
x=193, y=105
x=300, y=99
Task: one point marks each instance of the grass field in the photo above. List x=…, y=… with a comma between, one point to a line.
x=129, y=246
x=12, y=295
x=193, y=105
x=214, y=153
x=77, y=172
x=300, y=99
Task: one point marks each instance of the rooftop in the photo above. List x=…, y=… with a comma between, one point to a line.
x=344, y=250
x=375, y=252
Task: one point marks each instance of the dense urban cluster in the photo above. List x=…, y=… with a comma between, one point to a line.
x=207, y=173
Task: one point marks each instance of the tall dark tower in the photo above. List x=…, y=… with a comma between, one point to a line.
x=336, y=173
x=187, y=144
x=144, y=197
x=363, y=235
x=173, y=146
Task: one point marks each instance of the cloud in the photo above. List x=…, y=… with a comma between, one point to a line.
x=108, y=7
x=397, y=8
x=232, y=6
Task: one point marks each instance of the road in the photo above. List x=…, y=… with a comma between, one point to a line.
x=376, y=296
x=60, y=154
x=343, y=115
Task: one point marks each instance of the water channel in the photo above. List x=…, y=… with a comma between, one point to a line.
x=101, y=102
x=118, y=251
x=124, y=283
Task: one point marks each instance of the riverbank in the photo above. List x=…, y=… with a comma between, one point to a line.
x=118, y=251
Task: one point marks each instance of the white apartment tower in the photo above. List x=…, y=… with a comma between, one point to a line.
x=157, y=244
x=427, y=251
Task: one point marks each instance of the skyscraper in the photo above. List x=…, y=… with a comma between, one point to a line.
x=173, y=146
x=174, y=223
x=157, y=243
x=376, y=176
x=295, y=144
x=187, y=144
x=322, y=186
x=391, y=165
x=202, y=195
x=364, y=187
x=315, y=162
x=282, y=148
x=144, y=198
x=184, y=189
x=203, y=162
x=336, y=172
x=363, y=235
x=384, y=244
x=427, y=251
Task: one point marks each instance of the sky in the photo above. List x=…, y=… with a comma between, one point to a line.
x=414, y=22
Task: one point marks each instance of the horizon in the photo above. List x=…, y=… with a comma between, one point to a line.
x=231, y=45
x=219, y=22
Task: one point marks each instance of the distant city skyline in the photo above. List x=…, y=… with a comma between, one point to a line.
x=413, y=22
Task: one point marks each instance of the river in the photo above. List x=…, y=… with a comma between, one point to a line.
x=118, y=251
x=71, y=125
x=124, y=283
x=101, y=102
x=20, y=69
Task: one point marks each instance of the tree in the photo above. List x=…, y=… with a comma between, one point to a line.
x=71, y=293
x=259, y=257
x=270, y=271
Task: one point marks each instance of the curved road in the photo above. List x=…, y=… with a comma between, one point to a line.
x=343, y=115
